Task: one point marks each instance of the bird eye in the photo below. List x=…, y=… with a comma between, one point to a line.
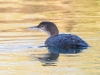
x=41, y=26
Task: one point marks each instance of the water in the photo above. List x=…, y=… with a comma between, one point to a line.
x=20, y=51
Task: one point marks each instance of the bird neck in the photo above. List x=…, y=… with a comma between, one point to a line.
x=52, y=33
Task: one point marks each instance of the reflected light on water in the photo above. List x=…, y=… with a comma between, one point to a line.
x=20, y=51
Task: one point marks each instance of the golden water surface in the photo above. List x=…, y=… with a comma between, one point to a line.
x=19, y=51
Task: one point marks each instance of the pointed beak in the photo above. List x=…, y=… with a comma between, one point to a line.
x=33, y=28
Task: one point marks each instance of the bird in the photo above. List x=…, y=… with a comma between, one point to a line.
x=57, y=40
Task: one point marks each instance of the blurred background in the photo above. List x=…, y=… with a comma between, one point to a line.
x=77, y=15
x=19, y=46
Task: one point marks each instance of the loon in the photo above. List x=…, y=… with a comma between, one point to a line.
x=59, y=40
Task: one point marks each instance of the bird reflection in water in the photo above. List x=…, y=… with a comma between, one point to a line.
x=51, y=57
